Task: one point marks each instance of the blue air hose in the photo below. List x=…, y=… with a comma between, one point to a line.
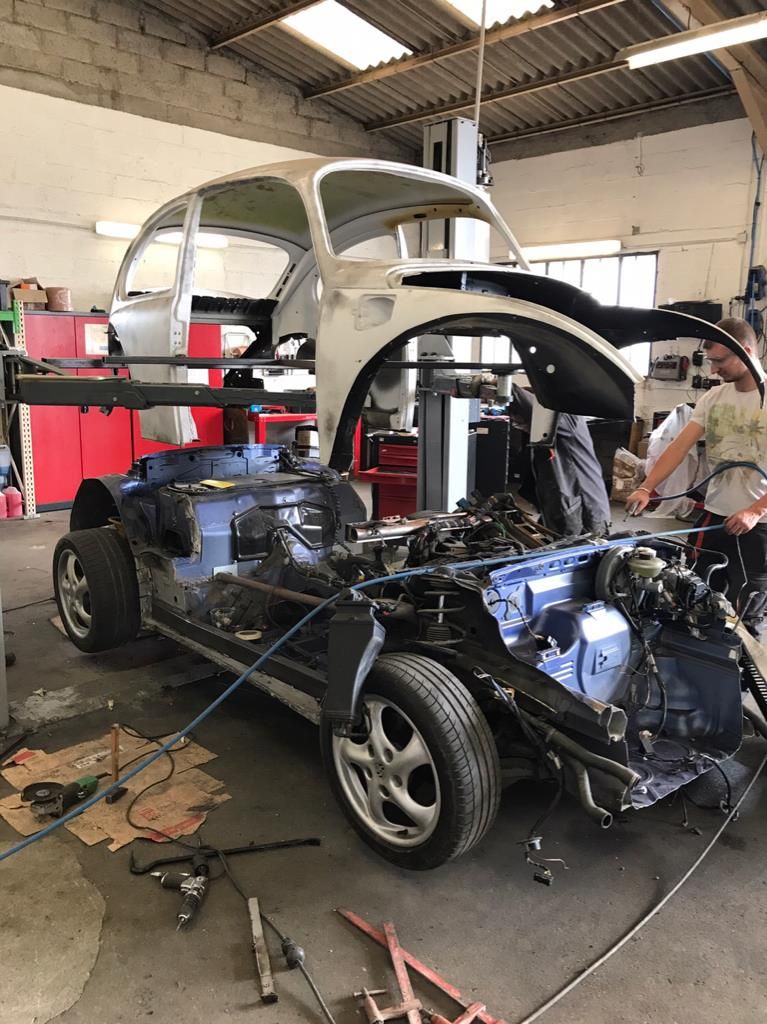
x=262, y=659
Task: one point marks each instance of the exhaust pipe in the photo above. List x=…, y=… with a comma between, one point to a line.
x=627, y=776
x=598, y=814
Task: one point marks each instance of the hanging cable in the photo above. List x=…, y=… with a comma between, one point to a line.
x=480, y=64
x=752, y=315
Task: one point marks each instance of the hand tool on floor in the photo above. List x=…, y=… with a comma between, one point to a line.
x=376, y=1015
x=119, y=793
x=212, y=853
x=193, y=886
x=263, y=964
x=426, y=972
x=53, y=798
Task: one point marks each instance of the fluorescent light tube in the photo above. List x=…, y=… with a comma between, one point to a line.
x=718, y=36
x=571, y=250
x=339, y=30
x=115, y=229
x=205, y=239
x=499, y=11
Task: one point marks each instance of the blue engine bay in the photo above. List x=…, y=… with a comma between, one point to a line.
x=622, y=648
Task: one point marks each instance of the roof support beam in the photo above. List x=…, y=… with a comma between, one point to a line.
x=616, y=115
x=496, y=35
x=250, y=28
x=523, y=89
x=746, y=68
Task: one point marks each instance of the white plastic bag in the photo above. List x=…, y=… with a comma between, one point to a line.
x=692, y=468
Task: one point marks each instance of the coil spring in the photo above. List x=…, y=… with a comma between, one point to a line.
x=439, y=627
x=756, y=683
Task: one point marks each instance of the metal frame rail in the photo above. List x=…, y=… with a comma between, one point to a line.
x=25, y=381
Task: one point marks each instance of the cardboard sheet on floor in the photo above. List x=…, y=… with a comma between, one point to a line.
x=177, y=806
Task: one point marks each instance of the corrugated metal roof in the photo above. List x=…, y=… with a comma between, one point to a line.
x=570, y=47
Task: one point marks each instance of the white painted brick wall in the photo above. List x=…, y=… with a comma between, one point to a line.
x=72, y=164
x=687, y=194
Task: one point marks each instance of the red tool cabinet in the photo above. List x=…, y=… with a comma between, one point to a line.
x=68, y=444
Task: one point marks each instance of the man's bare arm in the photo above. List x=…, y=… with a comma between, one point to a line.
x=671, y=457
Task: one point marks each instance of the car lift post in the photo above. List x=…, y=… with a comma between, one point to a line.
x=445, y=454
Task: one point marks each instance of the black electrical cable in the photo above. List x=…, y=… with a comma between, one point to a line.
x=29, y=604
x=728, y=806
x=131, y=730
x=646, y=918
x=299, y=961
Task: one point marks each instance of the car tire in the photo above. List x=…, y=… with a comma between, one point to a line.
x=96, y=587
x=424, y=786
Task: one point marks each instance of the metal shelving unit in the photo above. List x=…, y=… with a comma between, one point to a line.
x=12, y=342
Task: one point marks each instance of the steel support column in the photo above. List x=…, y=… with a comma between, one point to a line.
x=445, y=448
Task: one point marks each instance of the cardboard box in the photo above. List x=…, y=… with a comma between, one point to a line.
x=33, y=298
x=29, y=292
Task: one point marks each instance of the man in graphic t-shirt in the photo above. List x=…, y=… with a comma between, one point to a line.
x=734, y=426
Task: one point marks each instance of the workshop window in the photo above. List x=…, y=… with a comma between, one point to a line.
x=627, y=280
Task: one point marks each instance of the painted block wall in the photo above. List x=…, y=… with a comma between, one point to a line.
x=687, y=195
x=72, y=164
x=126, y=55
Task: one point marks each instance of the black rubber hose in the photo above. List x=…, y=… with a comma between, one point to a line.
x=757, y=721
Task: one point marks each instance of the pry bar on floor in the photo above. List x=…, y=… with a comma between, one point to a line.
x=211, y=853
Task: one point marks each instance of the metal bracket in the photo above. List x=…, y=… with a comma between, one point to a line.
x=355, y=641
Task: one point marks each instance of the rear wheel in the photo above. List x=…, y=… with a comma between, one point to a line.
x=422, y=786
x=96, y=587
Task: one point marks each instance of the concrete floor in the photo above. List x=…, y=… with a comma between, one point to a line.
x=482, y=921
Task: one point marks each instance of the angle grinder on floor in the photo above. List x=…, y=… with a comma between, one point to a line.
x=53, y=798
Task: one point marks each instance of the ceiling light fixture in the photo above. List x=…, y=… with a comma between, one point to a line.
x=499, y=11
x=345, y=34
x=571, y=250
x=718, y=36
x=115, y=229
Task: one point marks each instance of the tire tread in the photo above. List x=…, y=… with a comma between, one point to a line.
x=468, y=745
x=111, y=573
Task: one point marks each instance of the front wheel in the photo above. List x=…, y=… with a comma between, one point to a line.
x=422, y=785
x=96, y=587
